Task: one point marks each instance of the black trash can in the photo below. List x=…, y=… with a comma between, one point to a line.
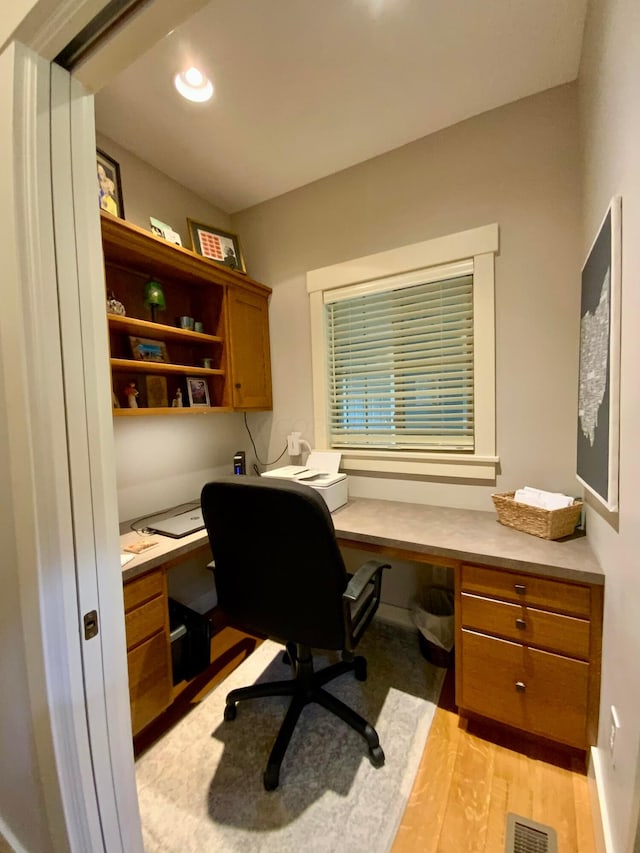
x=433, y=615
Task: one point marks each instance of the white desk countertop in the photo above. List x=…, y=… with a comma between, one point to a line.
x=458, y=534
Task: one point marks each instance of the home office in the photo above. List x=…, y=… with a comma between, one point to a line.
x=287, y=272
x=518, y=166
x=575, y=727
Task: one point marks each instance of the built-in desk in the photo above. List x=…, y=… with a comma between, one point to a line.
x=528, y=610
x=446, y=536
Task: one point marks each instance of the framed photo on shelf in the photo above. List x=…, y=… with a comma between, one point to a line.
x=217, y=245
x=198, y=391
x=145, y=349
x=156, y=392
x=109, y=184
x=599, y=375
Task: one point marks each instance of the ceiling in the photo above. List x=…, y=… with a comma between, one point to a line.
x=305, y=88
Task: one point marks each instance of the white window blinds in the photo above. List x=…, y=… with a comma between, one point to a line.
x=400, y=363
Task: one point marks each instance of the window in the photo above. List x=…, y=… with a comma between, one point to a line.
x=403, y=354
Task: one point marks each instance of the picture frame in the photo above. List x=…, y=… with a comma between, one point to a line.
x=198, y=391
x=161, y=229
x=220, y=246
x=146, y=349
x=109, y=184
x=157, y=397
x=599, y=375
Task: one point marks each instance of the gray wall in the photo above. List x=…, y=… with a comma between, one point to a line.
x=517, y=166
x=610, y=129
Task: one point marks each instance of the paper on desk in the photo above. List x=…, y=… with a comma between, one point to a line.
x=542, y=499
x=320, y=464
x=325, y=461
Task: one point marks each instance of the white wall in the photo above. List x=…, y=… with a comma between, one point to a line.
x=148, y=192
x=610, y=130
x=162, y=462
x=517, y=166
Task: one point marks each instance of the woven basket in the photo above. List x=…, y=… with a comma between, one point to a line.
x=546, y=523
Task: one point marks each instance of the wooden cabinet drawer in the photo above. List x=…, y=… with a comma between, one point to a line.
x=144, y=621
x=150, y=686
x=527, y=589
x=565, y=634
x=537, y=691
x=142, y=589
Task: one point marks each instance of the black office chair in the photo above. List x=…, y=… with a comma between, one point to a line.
x=279, y=573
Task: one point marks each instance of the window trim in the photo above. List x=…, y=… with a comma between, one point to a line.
x=478, y=245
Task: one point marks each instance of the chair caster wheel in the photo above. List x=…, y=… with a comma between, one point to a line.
x=230, y=712
x=271, y=778
x=376, y=756
x=360, y=669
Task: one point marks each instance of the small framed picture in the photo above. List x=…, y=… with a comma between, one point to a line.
x=161, y=229
x=109, y=184
x=156, y=392
x=198, y=391
x=145, y=349
x=217, y=245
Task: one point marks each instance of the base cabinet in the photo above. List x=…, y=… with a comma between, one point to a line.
x=528, y=652
x=542, y=693
x=148, y=647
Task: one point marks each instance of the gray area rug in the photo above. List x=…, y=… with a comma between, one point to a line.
x=200, y=787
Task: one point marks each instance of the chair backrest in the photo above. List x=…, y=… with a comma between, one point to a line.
x=278, y=568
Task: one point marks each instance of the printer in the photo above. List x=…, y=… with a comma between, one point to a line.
x=320, y=473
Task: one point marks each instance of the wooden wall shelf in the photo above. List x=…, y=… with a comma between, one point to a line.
x=131, y=366
x=232, y=308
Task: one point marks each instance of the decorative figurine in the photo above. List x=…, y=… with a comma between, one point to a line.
x=177, y=400
x=132, y=392
x=114, y=400
x=114, y=306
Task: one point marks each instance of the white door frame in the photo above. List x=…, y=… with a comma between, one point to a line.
x=61, y=484
x=87, y=382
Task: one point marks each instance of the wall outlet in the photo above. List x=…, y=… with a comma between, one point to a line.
x=614, y=728
x=293, y=444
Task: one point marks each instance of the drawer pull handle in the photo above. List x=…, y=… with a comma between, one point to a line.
x=520, y=588
x=520, y=623
x=521, y=686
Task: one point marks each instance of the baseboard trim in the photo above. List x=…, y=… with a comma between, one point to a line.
x=599, y=814
x=8, y=841
x=395, y=615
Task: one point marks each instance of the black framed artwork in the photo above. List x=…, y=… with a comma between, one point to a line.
x=599, y=377
x=109, y=184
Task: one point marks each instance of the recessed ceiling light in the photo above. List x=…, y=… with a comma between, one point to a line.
x=193, y=85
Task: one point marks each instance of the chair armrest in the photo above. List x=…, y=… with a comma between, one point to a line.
x=359, y=581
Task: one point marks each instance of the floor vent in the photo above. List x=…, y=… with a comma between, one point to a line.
x=527, y=836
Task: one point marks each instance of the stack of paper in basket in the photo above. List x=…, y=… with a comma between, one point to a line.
x=542, y=499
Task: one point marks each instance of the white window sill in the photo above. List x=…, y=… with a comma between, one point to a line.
x=451, y=465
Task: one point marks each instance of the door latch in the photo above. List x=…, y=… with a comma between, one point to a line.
x=90, y=624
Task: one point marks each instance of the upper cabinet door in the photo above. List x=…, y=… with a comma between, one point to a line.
x=250, y=351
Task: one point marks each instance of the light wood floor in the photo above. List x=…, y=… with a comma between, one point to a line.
x=469, y=778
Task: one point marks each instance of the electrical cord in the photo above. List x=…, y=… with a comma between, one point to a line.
x=255, y=450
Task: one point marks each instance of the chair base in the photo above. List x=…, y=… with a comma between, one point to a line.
x=305, y=687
